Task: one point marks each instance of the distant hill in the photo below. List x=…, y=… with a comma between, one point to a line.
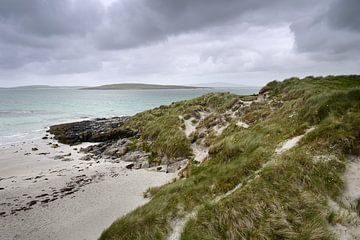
x=221, y=85
x=139, y=86
x=37, y=87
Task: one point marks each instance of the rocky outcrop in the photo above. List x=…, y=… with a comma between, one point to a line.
x=122, y=151
x=116, y=143
x=97, y=130
x=117, y=151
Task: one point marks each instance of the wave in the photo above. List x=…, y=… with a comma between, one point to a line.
x=25, y=113
x=17, y=113
x=16, y=135
x=20, y=136
x=8, y=143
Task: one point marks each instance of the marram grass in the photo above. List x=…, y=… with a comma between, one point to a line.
x=282, y=196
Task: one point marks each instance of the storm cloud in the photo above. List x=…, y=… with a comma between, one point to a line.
x=89, y=42
x=332, y=34
x=132, y=23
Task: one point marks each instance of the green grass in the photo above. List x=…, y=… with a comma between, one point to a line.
x=161, y=128
x=284, y=199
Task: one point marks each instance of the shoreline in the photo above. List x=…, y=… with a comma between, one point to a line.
x=43, y=129
x=47, y=190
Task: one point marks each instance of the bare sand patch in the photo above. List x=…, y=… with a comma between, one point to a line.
x=49, y=193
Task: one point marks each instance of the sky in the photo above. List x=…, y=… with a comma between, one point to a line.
x=252, y=42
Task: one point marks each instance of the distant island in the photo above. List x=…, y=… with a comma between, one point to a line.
x=137, y=86
x=134, y=86
x=38, y=87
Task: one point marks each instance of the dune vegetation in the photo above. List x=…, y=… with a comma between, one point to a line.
x=275, y=170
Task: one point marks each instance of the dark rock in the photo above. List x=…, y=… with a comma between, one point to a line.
x=117, y=149
x=34, y=149
x=44, y=153
x=98, y=130
x=130, y=166
x=31, y=203
x=55, y=145
x=44, y=137
x=45, y=200
x=42, y=195
x=66, y=189
x=63, y=157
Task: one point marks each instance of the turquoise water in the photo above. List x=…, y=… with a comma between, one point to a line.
x=25, y=114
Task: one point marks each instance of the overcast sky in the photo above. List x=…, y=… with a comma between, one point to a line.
x=92, y=42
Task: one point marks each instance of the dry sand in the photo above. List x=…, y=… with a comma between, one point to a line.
x=46, y=198
x=288, y=144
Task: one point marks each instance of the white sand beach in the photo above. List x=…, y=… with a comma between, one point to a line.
x=50, y=194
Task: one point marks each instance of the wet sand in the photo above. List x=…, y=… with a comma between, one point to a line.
x=49, y=193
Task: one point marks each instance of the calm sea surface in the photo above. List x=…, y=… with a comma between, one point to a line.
x=25, y=114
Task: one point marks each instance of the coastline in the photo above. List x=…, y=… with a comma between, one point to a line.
x=37, y=109
x=51, y=193
x=47, y=186
x=36, y=135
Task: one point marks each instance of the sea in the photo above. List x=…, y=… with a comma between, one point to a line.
x=25, y=114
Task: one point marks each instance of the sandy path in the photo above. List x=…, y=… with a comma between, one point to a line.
x=288, y=144
x=189, y=126
x=350, y=230
x=352, y=179
x=43, y=198
x=200, y=152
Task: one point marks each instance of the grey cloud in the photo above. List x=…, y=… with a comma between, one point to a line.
x=46, y=18
x=345, y=14
x=177, y=39
x=331, y=35
x=28, y=50
x=41, y=30
x=12, y=58
x=12, y=36
x=71, y=66
x=133, y=23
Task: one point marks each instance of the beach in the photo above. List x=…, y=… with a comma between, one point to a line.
x=47, y=192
